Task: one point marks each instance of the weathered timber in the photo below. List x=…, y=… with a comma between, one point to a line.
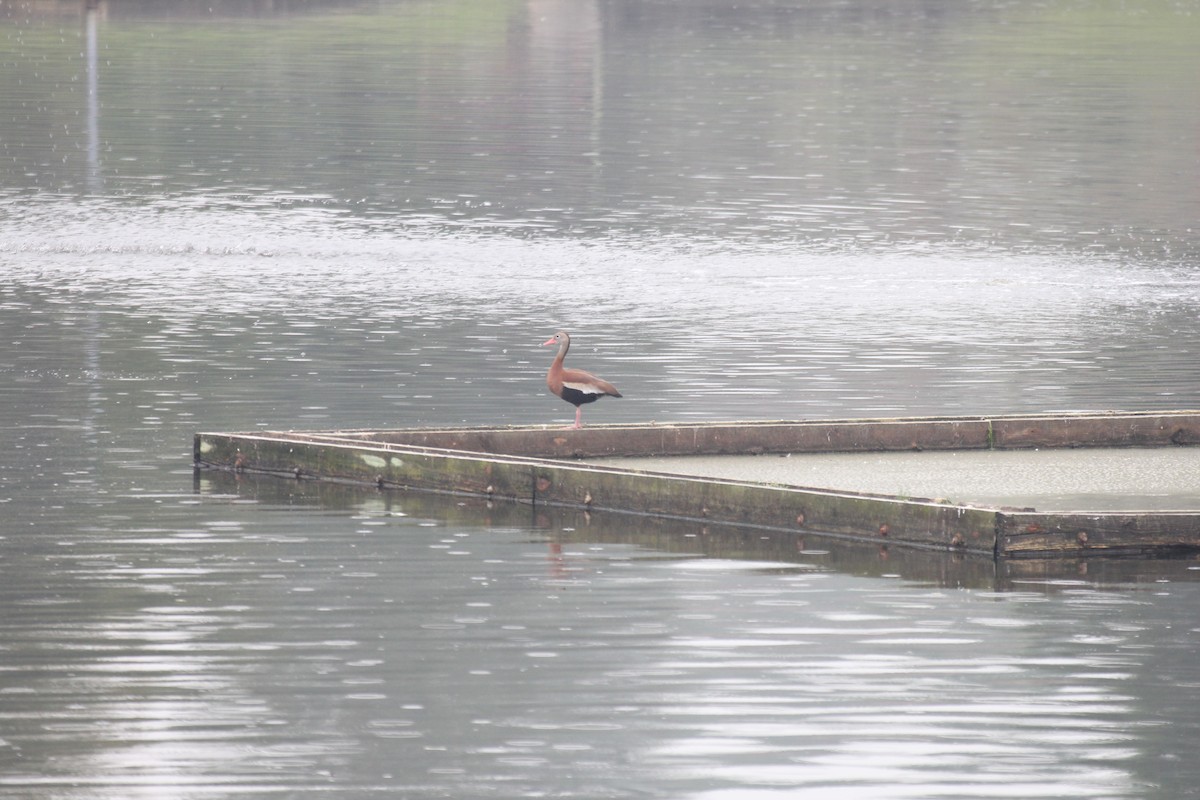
x=565, y=483
x=536, y=465
x=692, y=439
x=888, y=519
x=1033, y=534
x=1022, y=431
x=1097, y=430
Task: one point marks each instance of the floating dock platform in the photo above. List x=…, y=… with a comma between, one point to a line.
x=1134, y=477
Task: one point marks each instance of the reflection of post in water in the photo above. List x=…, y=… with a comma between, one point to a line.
x=91, y=13
x=556, y=557
x=558, y=561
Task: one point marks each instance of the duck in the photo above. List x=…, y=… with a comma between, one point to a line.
x=574, y=385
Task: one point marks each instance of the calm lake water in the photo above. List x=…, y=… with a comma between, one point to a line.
x=234, y=215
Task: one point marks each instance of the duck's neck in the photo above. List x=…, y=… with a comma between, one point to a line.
x=562, y=353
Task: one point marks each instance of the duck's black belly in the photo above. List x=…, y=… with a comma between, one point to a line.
x=578, y=398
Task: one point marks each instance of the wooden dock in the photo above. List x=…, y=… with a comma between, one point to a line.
x=551, y=467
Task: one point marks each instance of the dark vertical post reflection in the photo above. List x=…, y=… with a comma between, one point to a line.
x=91, y=12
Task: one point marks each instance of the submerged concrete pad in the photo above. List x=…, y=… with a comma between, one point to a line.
x=1092, y=479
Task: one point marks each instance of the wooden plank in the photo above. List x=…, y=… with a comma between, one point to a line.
x=564, y=483
x=534, y=465
x=421, y=468
x=884, y=519
x=1125, y=429
x=1074, y=534
x=1103, y=430
x=704, y=439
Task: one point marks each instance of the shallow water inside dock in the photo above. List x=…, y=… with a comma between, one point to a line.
x=1082, y=479
x=227, y=215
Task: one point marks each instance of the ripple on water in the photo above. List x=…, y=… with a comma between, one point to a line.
x=425, y=324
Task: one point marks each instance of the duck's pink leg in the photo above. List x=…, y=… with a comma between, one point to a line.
x=578, y=416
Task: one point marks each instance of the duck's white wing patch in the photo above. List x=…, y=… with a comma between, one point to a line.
x=583, y=388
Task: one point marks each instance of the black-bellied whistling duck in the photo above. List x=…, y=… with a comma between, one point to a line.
x=574, y=385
